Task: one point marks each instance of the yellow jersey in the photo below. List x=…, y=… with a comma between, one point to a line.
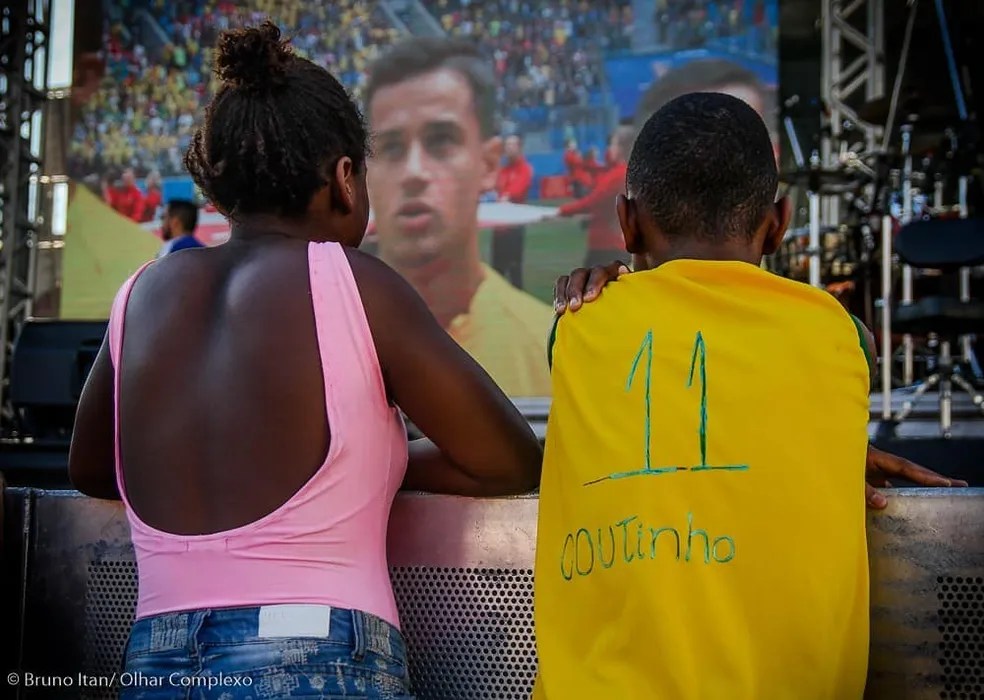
x=506, y=331
x=702, y=516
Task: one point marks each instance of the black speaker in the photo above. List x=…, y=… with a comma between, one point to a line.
x=50, y=363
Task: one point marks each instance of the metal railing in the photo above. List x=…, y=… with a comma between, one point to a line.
x=462, y=571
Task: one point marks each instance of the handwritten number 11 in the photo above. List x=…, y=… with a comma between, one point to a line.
x=702, y=431
x=647, y=348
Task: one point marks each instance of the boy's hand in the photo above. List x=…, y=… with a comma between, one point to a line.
x=881, y=464
x=584, y=285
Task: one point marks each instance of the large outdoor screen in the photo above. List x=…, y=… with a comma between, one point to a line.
x=545, y=112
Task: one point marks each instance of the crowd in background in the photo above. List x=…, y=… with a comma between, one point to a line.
x=157, y=76
x=687, y=24
x=157, y=56
x=544, y=55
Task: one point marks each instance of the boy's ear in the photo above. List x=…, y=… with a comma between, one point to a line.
x=628, y=218
x=782, y=214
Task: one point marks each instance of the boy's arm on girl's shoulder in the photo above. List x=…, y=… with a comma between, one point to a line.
x=584, y=285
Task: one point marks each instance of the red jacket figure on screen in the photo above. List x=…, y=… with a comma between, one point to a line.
x=572, y=159
x=604, y=233
x=152, y=202
x=580, y=178
x=127, y=199
x=514, y=181
x=154, y=197
x=592, y=165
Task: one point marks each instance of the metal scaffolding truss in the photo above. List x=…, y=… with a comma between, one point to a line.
x=852, y=73
x=24, y=31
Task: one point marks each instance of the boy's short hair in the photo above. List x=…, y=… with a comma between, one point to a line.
x=703, y=165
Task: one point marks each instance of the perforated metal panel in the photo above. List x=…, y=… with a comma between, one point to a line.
x=470, y=631
x=962, y=629
x=110, y=604
x=462, y=571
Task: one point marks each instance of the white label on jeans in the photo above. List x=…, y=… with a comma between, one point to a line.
x=294, y=621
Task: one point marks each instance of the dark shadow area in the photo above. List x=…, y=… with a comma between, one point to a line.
x=957, y=458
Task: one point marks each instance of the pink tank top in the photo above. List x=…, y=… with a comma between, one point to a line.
x=327, y=544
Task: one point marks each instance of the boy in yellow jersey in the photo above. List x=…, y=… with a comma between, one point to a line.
x=702, y=513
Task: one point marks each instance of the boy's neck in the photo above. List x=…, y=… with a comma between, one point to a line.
x=733, y=251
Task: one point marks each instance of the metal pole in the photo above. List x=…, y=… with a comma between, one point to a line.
x=787, y=123
x=886, y=324
x=951, y=61
x=900, y=75
x=946, y=389
x=814, y=251
x=965, y=349
x=828, y=78
x=31, y=251
x=907, y=367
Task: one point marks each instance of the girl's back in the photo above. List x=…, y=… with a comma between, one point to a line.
x=261, y=460
x=221, y=367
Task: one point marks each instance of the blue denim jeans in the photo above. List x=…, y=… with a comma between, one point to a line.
x=270, y=652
